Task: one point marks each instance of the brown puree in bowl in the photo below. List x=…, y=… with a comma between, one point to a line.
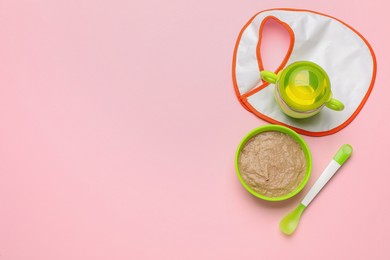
x=272, y=164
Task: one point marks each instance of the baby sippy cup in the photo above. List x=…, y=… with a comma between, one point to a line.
x=302, y=89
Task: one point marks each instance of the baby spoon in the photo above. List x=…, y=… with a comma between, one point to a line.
x=290, y=222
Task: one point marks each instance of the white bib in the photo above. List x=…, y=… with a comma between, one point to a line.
x=344, y=54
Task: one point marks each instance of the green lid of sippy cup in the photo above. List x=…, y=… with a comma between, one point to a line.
x=304, y=86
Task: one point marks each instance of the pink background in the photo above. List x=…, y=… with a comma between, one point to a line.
x=119, y=125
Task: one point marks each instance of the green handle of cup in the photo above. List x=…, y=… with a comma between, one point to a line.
x=268, y=76
x=334, y=104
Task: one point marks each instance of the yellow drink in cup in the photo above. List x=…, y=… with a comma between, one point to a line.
x=302, y=89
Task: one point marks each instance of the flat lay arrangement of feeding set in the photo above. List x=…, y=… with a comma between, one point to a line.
x=319, y=87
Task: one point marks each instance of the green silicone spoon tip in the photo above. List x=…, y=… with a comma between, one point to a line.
x=290, y=222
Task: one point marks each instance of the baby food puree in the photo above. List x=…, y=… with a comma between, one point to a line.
x=272, y=164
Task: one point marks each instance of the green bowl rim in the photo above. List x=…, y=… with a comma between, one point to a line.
x=297, y=138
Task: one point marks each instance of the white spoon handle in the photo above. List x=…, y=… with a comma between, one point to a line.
x=341, y=156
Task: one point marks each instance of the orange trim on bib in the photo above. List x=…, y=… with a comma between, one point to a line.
x=258, y=55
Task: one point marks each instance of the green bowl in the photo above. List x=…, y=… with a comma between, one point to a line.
x=297, y=138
